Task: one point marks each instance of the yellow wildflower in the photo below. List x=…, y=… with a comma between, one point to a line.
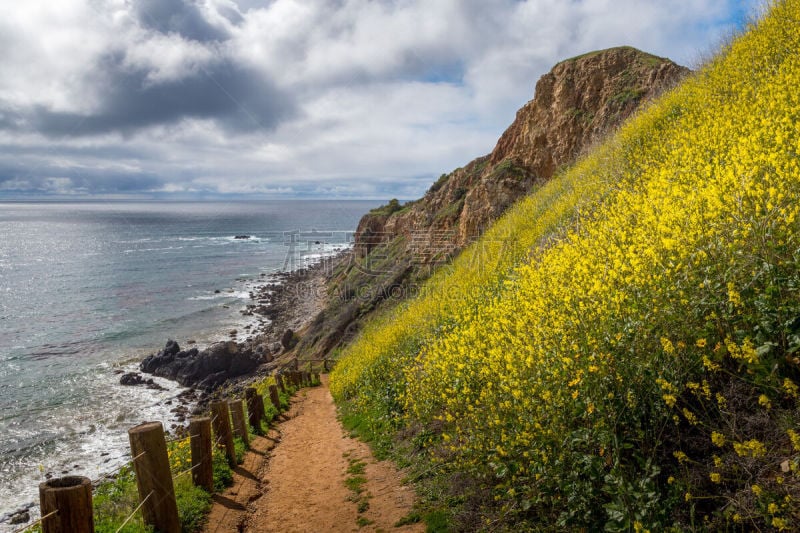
x=700, y=343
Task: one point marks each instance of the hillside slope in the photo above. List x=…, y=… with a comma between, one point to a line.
x=619, y=351
x=397, y=247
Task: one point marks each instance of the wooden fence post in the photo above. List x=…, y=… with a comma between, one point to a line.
x=325, y=364
x=221, y=421
x=279, y=382
x=153, y=477
x=202, y=462
x=68, y=501
x=239, y=424
x=317, y=381
x=274, y=397
x=255, y=409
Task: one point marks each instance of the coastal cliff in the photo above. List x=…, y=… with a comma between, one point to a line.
x=397, y=246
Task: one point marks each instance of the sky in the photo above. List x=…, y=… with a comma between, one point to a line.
x=293, y=98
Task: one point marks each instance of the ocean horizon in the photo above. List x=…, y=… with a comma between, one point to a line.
x=88, y=288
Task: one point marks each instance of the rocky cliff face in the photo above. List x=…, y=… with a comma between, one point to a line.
x=574, y=104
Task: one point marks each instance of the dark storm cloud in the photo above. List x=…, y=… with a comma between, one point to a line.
x=10, y=119
x=178, y=16
x=237, y=98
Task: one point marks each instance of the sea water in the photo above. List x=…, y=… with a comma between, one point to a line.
x=88, y=289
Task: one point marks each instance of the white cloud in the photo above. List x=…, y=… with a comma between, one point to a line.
x=350, y=97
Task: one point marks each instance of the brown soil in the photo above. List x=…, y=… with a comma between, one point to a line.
x=299, y=486
x=230, y=508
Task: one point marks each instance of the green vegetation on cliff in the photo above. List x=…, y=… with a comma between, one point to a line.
x=620, y=350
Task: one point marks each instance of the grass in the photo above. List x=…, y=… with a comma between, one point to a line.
x=355, y=482
x=363, y=521
x=385, y=210
x=115, y=499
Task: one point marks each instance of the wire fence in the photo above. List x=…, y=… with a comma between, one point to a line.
x=37, y=522
x=151, y=466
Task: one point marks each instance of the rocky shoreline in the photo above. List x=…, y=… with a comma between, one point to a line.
x=285, y=302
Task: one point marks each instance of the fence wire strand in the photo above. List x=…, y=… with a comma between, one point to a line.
x=134, y=512
x=176, y=476
x=34, y=524
x=138, y=456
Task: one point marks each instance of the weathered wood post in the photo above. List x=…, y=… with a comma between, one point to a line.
x=255, y=409
x=66, y=505
x=279, y=382
x=153, y=477
x=202, y=462
x=325, y=364
x=274, y=397
x=239, y=424
x=221, y=421
x=317, y=381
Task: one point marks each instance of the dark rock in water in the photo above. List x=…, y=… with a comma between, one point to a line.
x=205, y=369
x=20, y=517
x=168, y=361
x=288, y=339
x=131, y=379
x=172, y=347
x=134, y=378
x=242, y=237
x=217, y=291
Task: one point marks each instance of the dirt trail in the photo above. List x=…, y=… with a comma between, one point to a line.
x=229, y=510
x=299, y=484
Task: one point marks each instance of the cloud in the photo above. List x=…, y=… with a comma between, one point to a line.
x=179, y=16
x=295, y=97
x=236, y=97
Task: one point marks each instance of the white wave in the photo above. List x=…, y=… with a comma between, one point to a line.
x=92, y=445
x=239, y=295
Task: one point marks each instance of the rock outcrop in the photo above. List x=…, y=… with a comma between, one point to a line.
x=204, y=369
x=574, y=105
x=397, y=246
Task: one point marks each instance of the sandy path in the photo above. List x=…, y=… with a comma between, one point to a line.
x=304, y=478
x=229, y=510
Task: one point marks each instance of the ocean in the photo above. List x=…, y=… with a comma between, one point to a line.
x=89, y=289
